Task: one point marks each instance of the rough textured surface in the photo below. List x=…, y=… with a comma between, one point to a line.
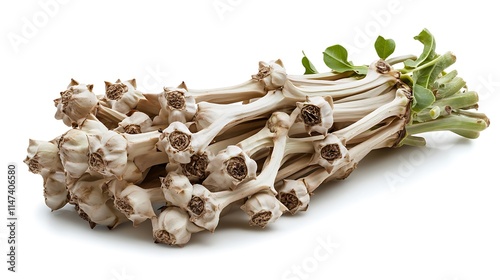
x=311, y=115
x=163, y=236
x=196, y=167
x=237, y=168
x=331, y=152
x=261, y=218
x=196, y=205
x=115, y=91
x=176, y=100
x=180, y=141
x=290, y=200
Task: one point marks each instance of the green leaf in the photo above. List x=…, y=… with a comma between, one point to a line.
x=426, y=76
x=428, y=54
x=384, y=47
x=310, y=69
x=422, y=98
x=335, y=57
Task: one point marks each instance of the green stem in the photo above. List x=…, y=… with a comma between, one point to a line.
x=473, y=114
x=459, y=100
x=444, y=88
x=413, y=141
x=407, y=79
x=399, y=59
x=454, y=102
x=453, y=122
x=423, y=66
x=467, y=133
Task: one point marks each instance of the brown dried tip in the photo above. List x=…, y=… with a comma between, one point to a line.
x=84, y=216
x=237, y=168
x=290, y=200
x=261, y=218
x=196, y=205
x=73, y=83
x=166, y=181
x=179, y=140
x=96, y=163
x=124, y=206
x=115, y=91
x=264, y=71
x=311, y=115
x=331, y=152
x=33, y=164
x=382, y=67
x=448, y=109
x=196, y=167
x=66, y=96
x=132, y=129
x=133, y=82
x=163, y=236
x=175, y=99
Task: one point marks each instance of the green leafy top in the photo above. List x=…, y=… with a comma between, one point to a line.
x=440, y=100
x=425, y=69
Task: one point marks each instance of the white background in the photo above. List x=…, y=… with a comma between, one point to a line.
x=438, y=220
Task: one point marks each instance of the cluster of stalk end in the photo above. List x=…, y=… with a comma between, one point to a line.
x=182, y=158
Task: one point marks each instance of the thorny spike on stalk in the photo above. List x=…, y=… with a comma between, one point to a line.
x=179, y=157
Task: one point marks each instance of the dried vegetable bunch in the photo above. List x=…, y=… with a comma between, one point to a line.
x=181, y=157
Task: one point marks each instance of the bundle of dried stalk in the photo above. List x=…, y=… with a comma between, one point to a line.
x=180, y=157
